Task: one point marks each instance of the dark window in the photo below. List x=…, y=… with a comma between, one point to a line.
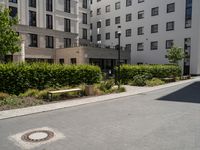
x=107, y=36
x=128, y=3
x=155, y=11
x=99, y=24
x=170, y=7
x=140, y=46
x=154, y=45
x=33, y=40
x=67, y=42
x=84, y=18
x=141, y=14
x=67, y=6
x=13, y=11
x=98, y=37
x=108, y=8
x=117, y=5
x=128, y=32
x=73, y=61
x=61, y=61
x=140, y=1
x=107, y=22
x=49, y=42
x=13, y=1
x=49, y=21
x=85, y=34
x=85, y=4
x=32, y=18
x=32, y=3
x=49, y=5
x=128, y=47
x=67, y=23
x=170, y=26
x=117, y=20
x=188, y=14
x=169, y=44
x=128, y=17
x=140, y=30
x=154, y=28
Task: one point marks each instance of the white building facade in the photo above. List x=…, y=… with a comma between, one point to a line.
x=47, y=25
x=149, y=28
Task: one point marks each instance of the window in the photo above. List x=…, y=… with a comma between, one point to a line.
x=84, y=18
x=140, y=30
x=140, y=46
x=33, y=40
x=128, y=3
x=99, y=24
x=13, y=1
x=170, y=7
x=91, y=13
x=117, y=20
x=85, y=4
x=49, y=21
x=117, y=5
x=128, y=32
x=141, y=14
x=61, y=61
x=98, y=0
x=49, y=42
x=108, y=8
x=170, y=26
x=98, y=11
x=67, y=23
x=140, y=1
x=107, y=36
x=155, y=11
x=128, y=47
x=154, y=45
x=169, y=44
x=67, y=6
x=73, y=61
x=13, y=11
x=49, y=5
x=91, y=26
x=32, y=3
x=67, y=42
x=116, y=34
x=32, y=18
x=84, y=34
x=107, y=22
x=128, y=17
x=154, y=28
x=188, y=14
x=98, y=37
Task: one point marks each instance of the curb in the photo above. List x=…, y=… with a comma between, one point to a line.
x=65, y=104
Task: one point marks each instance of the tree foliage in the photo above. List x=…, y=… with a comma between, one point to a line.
x=175, y=54
x=9, y=39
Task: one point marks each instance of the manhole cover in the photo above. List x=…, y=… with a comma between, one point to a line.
x=38, y=136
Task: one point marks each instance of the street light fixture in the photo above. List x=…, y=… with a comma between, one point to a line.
x=119, y=55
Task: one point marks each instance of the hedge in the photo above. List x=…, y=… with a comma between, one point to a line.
x=127, y=72
x=17, y=78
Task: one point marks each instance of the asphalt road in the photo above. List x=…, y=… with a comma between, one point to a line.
x=167, y=119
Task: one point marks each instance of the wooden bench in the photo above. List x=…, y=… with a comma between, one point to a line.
x=50, y=93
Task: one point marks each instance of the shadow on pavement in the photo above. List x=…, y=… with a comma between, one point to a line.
x=190, y=94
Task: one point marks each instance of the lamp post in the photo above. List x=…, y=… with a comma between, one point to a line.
x=119, y=55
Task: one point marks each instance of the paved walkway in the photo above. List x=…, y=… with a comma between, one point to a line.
x=131, y=90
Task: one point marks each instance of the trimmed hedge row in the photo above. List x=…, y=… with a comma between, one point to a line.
x=17, y=78
x=127, y=72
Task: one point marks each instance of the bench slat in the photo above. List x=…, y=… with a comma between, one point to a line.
x=62, y=91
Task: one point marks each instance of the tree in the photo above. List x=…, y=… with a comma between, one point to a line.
x=175, y=54
x=9, y=39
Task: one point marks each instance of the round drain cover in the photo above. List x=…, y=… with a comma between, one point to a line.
x=38, y=136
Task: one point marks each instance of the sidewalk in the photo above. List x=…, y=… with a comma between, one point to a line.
x=131, y=90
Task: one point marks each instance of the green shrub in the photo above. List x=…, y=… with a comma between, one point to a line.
x=3, y=95
x=154, y=82
x=17, y=78
x=106, y=85
x=127, y=72
x=30, y=93
x=139, y=80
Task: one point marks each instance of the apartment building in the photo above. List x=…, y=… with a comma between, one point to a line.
x=149, y=28
x=48, y=25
